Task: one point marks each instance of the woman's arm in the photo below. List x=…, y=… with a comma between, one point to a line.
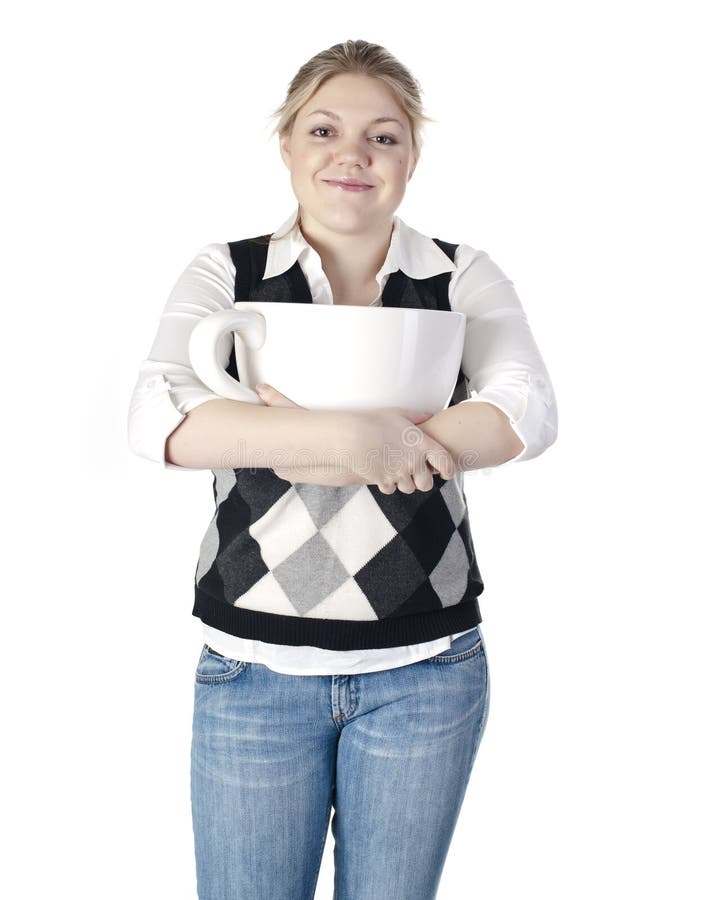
x=231, y=434
x=167, y=388
x=477, y=435
x=513, y=414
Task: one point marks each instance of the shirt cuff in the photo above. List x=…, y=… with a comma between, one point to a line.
x=152, y=418
x=532, y=415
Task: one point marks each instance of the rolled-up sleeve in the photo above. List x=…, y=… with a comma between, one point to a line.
x=501, y=359
x=167, y=387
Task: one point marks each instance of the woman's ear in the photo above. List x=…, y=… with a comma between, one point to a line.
x=284, y=151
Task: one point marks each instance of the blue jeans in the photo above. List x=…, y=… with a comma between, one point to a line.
x=391, y=751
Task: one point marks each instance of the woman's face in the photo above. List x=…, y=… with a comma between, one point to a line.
x=344, y=140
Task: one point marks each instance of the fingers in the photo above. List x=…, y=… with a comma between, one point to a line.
x=403, y=483
x=423, y=478
x=435, y=455
x=441, y=461
x=272, y=397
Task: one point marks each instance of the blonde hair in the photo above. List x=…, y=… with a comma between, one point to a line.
x=359, y=57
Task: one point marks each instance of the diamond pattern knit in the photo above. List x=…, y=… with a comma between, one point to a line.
x=336, y=567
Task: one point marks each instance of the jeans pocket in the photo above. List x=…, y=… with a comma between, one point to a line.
x=466, y=646
x=214, y=668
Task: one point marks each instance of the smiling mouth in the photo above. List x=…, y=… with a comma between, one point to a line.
x=350, y=187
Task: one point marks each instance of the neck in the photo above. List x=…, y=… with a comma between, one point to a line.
x=349, y=259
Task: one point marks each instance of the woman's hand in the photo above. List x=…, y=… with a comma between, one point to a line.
x=417, y=455
x=399, y=455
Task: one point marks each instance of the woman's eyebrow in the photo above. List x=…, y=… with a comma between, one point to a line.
x=332, y=115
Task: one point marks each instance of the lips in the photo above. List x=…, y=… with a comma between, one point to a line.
x=350, y=185
x=345, y=180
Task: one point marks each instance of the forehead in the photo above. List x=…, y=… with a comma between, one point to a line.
x=352, y=94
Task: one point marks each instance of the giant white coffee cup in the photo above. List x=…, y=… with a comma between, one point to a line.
x=325, y=356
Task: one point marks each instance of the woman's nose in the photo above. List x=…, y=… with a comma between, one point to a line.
x=351, y=152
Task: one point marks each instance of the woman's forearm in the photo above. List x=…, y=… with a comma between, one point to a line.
x=477, y=435
x=230, y=434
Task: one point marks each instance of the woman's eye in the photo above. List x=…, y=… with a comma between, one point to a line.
x=388, y=138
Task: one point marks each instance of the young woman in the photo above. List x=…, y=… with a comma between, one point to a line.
x=344, y=664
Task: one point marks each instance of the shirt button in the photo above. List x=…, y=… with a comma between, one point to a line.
x=151, y=383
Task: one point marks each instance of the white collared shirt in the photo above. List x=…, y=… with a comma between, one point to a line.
x=501, y=362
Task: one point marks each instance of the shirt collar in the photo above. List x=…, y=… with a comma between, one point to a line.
x=416, y=255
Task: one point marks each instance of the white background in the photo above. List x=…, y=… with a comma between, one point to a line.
x=572, y=144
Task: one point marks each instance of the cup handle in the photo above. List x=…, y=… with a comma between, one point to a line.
x=250, y=327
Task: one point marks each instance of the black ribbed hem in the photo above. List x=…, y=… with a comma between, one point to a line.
x=336, y=634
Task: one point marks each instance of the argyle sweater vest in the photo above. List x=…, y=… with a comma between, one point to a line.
x=342, y=568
